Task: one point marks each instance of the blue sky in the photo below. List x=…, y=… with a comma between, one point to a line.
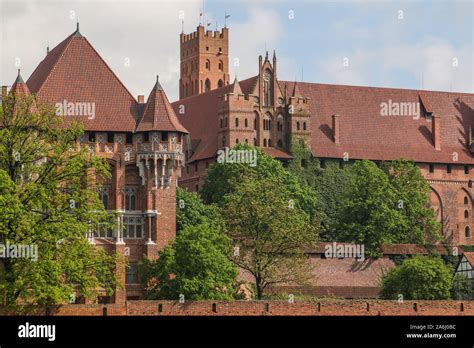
x=431, y=46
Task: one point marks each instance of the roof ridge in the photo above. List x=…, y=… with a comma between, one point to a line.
x=67, y=42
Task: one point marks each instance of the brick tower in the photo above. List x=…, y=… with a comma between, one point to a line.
x=204, y=61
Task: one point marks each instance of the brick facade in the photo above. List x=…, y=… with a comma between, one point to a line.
x=270, y=308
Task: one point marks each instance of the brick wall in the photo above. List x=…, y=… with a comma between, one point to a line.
x=253, y=308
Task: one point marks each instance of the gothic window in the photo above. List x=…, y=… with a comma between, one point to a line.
x=208, y=64
x=304, y=125
x=236, y=122
x=130, y=198
x=466, y=201
x=246, y=123
x=269, y=142
x=264, y=142
x=221, y=65
x=297, y=126
x=133, y=226
x=237, y=140
x=104, y=196
x=220, y=83
x=467, y=232
x=207, y=86
x=266, y=122
x=266, y=88
x=280, y=123
x=131, y=275
x=466, y=214
x=255, y=124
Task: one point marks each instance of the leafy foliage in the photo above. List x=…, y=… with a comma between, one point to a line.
x=419, y=278
x=195, y=265
x=223, y=179
x=191, y=211
x=48, y=199
x=270, y=234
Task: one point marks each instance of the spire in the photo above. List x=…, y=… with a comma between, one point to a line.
x=19, y=79
x=157, y=84
x=19, y=87
x=236, y=86
x=296, y=91
x=266, y=56
x=274, y=55
x=77, y=33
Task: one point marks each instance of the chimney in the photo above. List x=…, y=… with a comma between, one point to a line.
x=336, y=128
x=141, y=99
x=436, y=131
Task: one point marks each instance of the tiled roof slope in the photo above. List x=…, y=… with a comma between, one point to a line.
x=364, y=133
x=200, y=117
x=19, y=87
x=470, y=257
x=75, y=72
x=158, y=114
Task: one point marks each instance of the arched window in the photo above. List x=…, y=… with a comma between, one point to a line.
x=207, y=86
x=220, y=83
x=466, y=214
x=208, y=64
x=466, y=201
x=265, y=142
x=221, y=65
x=280, y=123
x=297, y=126
x=246, y=123
x=267, y=76
x=267, y=122
x=255, y=124
x=236, y=122
x=237, y=140
x=269, y=142
x=304, y=125
x=467, y=232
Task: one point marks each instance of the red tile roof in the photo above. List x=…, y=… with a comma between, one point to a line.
x=470, y=257
x=19, y=87
x=364, y=132
x=277, y=153
x=158, y=114
x=74, y=72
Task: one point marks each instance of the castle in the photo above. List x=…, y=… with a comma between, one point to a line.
x=339, y=123
x=145, y=141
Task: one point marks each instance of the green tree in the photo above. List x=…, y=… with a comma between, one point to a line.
x=224, y=178
x=369, y=214
x=462, y=288
x=418, y=278
x=303, y=165
x=48, y=200
x=191, y=211
x=412, y=199
x=270, y=234
x=195, y=265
